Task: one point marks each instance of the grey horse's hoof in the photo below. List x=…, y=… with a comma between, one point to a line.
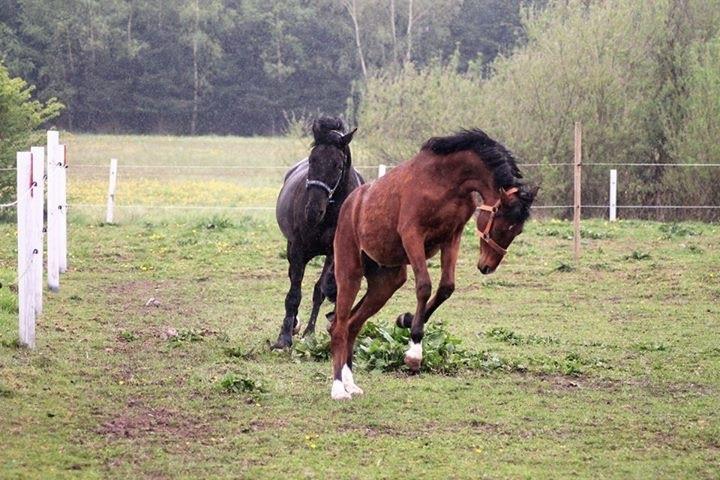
x=282, y=343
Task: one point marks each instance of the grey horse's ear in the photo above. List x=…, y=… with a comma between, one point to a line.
x=347, y=138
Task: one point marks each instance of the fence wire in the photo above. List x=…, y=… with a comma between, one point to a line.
x=197, y=169
x=14, y=204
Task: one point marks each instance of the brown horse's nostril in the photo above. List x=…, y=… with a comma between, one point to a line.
x=485, y=270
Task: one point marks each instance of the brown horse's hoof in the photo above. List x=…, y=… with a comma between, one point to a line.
x=404, y=320
x=330, y=321
x=413, y=364
x=309, y=330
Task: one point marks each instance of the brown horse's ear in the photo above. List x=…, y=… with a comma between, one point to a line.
x=504, y=197
x=530, y=192
x=347, y=138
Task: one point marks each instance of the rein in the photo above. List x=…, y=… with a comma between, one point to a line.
x=485, y=233
x=325, y=186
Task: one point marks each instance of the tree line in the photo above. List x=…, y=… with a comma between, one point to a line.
x=233, y=66
x=642, y=77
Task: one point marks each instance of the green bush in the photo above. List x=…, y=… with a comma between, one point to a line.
x=19, y=118
x=233, y=383
x=382, y=348
x=399, y=111
x=642, y=77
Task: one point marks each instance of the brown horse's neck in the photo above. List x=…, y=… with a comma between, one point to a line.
x=473, y=176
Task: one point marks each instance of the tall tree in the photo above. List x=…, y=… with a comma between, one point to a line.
x=351, y=7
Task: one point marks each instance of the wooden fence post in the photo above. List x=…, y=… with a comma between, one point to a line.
x=613, y=195
x=26, y=296
x=577, y=181
x=53, y=205
x=112, y=184
x=62, y=207
x=38, y=202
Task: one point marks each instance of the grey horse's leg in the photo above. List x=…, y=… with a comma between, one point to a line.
x=296, y=271
x=318, y=296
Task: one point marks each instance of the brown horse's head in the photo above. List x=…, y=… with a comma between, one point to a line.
x=328, y=162
x=499, y=224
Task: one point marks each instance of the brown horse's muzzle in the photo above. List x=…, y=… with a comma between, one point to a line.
x=488, y=261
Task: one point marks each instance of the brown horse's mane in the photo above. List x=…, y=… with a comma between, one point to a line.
x=498, y=159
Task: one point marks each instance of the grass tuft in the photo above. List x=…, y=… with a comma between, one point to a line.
x=671, y=230
x=234, y=383
x=5, y=392
x=650, y=347
x=563, y=267
x=637, y=255
x=240, y=352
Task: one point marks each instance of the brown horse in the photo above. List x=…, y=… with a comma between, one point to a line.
x=417, y=209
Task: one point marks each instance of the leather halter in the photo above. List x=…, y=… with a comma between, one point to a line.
x=493, y=209
x=319, y=183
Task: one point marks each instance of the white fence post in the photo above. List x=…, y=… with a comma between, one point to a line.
x=577, y=190
x=26, y=296
x=613, y=195
x=53, y=213
x=38, y=202
x=62, y=206
x=382, y=169
x=111, y=190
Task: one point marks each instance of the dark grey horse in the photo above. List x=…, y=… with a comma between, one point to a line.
x=307, y=213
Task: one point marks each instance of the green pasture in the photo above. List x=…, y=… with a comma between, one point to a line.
x=167, y=177
x=153, y=361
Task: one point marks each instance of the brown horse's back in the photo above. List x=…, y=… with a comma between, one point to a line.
x=412, y=195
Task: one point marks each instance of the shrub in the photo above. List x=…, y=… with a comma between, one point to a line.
x=19, y=117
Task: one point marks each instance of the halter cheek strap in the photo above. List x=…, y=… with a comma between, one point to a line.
x=484, y=234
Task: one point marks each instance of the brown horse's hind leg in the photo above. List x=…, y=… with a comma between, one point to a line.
x=381, y=286
x=348, y=277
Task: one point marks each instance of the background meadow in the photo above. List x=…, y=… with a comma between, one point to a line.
x=153, y=359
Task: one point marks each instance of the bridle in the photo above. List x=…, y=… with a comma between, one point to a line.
x=324, y=186
x=485, y=233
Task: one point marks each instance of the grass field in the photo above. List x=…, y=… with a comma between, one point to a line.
x=231, y=173
x=608, y=368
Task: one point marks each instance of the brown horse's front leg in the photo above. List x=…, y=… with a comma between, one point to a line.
x=448, y=259
x=415, y=250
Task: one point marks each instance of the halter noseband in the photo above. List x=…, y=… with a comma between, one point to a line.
x=485, y=233
x=325, y=186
